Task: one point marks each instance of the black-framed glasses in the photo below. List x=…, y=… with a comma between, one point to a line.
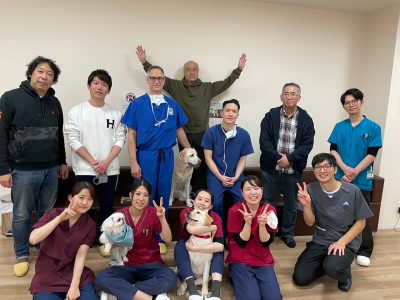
x=351, y=102
x=153, y=79
x=325, y=168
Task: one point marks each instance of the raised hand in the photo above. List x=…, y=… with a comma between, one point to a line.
x=263, y=217
x=160, y=210
x=303, y=195
x=247, y=215
x=141, y=54
x=242, y=61
x=70, y=211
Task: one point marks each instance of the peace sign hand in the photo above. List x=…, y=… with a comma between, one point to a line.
x=263, y=217
x=160, y=210
x=248, y=216
x=303, y=195
x=70, y=211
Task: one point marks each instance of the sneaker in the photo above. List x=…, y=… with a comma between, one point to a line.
x=195, y=297
x=21, y=268
x=212, y=298
x=363, y=261
x=163, y=249
x=162, y=296
x=103, y=252
x=289, y=241
x=345, y=285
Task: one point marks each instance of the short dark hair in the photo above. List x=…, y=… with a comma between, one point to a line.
x=81, y=185
x=234, y=101
x=208, y=192
x=319, y=158
x=155, y=68
x=292, y=84
x=39, y=60
x=356, y=93
x=102, y=75
x=138, y=183
x=253, y=181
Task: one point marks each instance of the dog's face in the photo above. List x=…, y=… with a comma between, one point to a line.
x=199, y=217
x=114, y=223
x=189, y=157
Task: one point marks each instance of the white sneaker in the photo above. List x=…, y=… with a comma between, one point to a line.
x=162, y=296
x=195, y=297
x=213, y=298
x=363, y=261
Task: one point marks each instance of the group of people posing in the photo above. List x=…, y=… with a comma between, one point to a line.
x=32, y=157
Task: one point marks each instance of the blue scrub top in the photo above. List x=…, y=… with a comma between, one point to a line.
x=154, y=131
x=352, y=146
x=228, y=150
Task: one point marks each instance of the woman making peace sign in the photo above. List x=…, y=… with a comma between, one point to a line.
x=144, y=259
x=251, y=228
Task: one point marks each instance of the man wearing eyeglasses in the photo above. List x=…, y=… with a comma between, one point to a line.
x=194, y=96
x=286, y=139
x=339, y=212
x=154, y=123
x=355, y=142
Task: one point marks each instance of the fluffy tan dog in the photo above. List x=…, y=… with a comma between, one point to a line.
x=200, y=261
x=185, y=163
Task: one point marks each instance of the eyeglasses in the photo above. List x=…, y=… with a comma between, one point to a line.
x=153, y=79
x=286, y=95
x=325, y=168
x=351, y=102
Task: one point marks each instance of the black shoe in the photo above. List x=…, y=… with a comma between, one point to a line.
x=345, y=285
x=289, y=241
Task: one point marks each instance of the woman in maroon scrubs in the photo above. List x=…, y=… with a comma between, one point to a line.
x=65, y=234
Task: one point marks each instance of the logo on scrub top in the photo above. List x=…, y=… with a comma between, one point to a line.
x=170, y=111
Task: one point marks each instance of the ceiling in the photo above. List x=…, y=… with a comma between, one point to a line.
x=358, y=6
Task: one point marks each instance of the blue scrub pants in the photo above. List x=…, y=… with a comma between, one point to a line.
x=157, y=168
x=88, y=292
x=255, y=283
x=216, y=187
x=119, y=281
x=276, y=183
x=182, y=260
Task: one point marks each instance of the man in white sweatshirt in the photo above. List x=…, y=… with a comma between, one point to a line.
x=96, y=136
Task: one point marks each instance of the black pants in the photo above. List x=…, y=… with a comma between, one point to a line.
x=315, y=262
x=367, y=244
x=198, y=180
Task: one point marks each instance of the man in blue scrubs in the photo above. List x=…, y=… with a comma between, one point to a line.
x=225, y=149
x=355, y=142
x=154, y=123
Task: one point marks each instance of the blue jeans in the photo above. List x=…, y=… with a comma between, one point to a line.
x=276, y=183
x=31, y=190
x=87, y=292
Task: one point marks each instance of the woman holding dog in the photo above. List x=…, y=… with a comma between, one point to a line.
x=144, y=259
x=251, y=228
x=65, y=236
x=203, y=201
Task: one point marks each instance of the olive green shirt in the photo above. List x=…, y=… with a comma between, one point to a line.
x=195, y=99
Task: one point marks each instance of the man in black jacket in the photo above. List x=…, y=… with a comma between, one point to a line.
x=286, y=139
x=32, y=152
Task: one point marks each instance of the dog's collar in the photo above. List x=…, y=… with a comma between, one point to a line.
x=202, y=236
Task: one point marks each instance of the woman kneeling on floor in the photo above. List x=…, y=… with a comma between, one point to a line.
x=65, y=235
x=251, y=227
x=144, y=260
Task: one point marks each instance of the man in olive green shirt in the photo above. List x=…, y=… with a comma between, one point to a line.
x=194, y=97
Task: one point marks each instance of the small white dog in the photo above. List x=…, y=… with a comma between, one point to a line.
x=183, y=170
x=117, y=238
x=200, y=261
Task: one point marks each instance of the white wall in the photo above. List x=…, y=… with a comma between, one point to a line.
x=324, y=51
